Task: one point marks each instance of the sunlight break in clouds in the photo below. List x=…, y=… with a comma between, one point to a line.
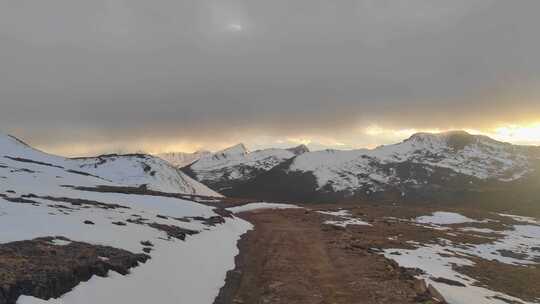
x=369, y=137
x=528, y=134
x=115, y=75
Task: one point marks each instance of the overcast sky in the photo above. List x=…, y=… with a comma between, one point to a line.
x=83, y=77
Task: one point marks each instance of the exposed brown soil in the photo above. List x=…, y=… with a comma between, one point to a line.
x=44, y=270
x=517, y=281
x=391, y=226
x=291, y=257
x=390, y=231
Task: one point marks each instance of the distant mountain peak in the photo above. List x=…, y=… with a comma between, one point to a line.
x=420, y=136
x=457, y=140
x=230, y=167
x=131, y=170
x=239, y=149
x=301, y=149
x=423, y=135
x=182, y=159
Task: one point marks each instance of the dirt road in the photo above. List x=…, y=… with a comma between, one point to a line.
x=291, y=257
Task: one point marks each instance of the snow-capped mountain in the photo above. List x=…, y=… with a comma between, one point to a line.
x=476, y=156
x=182, y=159
x=141, y=169
x=70, y=228
x=128, y=170
x=423, y=161
x=230, y=167
x=301, y=149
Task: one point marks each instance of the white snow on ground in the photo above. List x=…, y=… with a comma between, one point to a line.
x=523, y=219
x=479, y=230
x=444, y=218
x=345, y=219
x=436, y=262
x=437, y=259
x=179, y=272
x=190, y=271
x=261, y=205
x=520, y=240
x=336, y=213
x=348, y=221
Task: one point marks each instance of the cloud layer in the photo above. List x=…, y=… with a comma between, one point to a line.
x=170, y=74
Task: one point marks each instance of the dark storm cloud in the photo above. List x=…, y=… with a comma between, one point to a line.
x=109, y=70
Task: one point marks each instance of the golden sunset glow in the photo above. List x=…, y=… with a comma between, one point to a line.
x=370, y=137
x=300, y=141
x=525, y=134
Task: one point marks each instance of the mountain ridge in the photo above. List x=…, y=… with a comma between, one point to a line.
x=182, y=159
x=127, y=169
x=232, y=166
x=75, y=228
x=414, y=169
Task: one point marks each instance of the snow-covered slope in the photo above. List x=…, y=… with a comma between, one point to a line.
x=224, y=169
x=129, y=170
x=141, y=169
x=182, y=159
x=476, y=156
x=434, y=162
x=192, y=245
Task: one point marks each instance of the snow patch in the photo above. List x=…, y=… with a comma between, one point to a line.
x=336, y=213
x=346, y=222
x=262, y=205
x=60, y=242
x=444, y=218
x=345, y=219
x=437, y=262
x=523, y=219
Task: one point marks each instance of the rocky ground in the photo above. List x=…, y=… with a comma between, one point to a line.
x=298, y=256
x=49, y=267
x=291, y=258
x=362, y=253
